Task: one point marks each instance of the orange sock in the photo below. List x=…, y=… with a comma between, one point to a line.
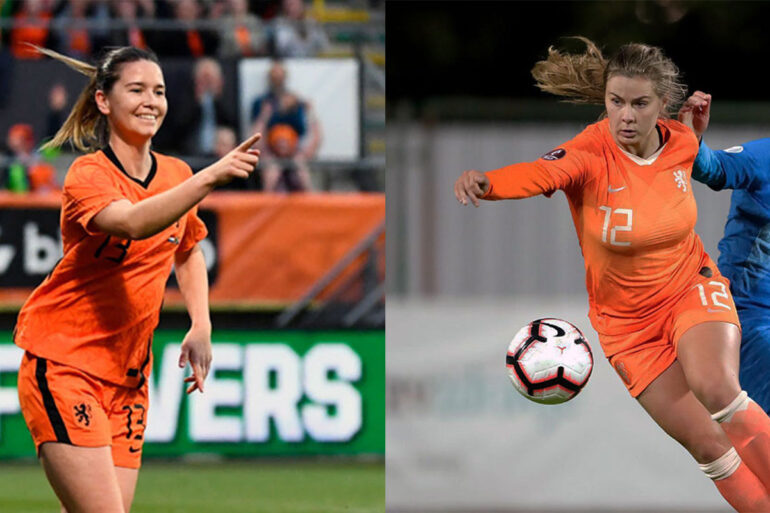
x=748, y=428
x=744, y=492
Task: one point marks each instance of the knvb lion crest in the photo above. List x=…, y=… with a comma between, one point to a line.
x=681, y=179
x=83, y=413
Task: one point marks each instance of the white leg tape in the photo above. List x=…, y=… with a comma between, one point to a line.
x=740, y=403
x=723, y=467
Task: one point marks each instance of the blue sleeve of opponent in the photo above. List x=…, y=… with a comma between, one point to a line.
x=739, y=167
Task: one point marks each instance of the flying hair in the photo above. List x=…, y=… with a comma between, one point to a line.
x=582, y=77
x=86, y=128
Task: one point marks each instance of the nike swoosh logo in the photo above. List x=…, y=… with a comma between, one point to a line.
x=610, y=189
x=131, y=449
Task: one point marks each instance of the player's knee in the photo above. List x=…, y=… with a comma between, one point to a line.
x=739, y=403
x=723, y=466
x=715, y=392
x=708, y=446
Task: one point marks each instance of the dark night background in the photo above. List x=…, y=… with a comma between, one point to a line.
x=440, y=53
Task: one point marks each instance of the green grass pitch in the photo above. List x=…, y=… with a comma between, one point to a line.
x=235, y=487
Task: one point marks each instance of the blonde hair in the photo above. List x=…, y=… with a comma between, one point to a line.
x=582, y=78
x=86, y=127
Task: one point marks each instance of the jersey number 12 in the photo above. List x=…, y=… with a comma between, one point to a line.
x=617, y=228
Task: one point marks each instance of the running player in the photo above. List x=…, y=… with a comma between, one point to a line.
x=663, y=312
x=128, y=215
x=744, y=250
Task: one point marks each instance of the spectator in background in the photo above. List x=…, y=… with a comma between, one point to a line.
x=241, y=34
x=128, y=11
x=57, y=102
x=265, y=9
x=31, y=24
x=297, y=34
x=188, y=40
x=199, y=115
x=71, y=32
x=293, y=135
x=25, y=171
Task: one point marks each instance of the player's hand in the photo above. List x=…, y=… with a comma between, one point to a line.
x=239, y=163
x=695, y=112
x=196, y=350
x=471, y=185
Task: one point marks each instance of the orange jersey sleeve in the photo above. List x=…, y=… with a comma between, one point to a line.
x=562, y=168
x=98, y=308
x=87, y=190
x=195, y=231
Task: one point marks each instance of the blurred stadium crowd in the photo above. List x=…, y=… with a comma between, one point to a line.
x=200, y=44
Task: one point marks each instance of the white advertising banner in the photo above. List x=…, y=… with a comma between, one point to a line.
x=330, y=85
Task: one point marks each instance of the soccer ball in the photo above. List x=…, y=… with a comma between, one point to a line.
x=549, y=361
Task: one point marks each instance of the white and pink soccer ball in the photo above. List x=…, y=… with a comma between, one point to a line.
x=549, y=361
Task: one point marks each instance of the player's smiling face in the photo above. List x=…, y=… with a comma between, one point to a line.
x=633, y=109
x=136, y=104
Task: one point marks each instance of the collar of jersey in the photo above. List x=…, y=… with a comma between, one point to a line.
x=641, y=161
x=107, y=150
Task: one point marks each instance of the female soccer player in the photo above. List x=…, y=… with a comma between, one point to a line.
x=744, y=251
x=663, y=312
x=128, y=214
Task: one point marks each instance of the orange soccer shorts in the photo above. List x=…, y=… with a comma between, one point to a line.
x=652, y=349
x=64, y=404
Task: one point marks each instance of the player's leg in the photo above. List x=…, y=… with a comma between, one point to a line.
x=755, y=360
x=83, y=477
x=71, y=433
x=127, y=482
x=671, y=403
x=128, y=416
x=709, y=354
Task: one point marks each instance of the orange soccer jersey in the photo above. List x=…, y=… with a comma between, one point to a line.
x=97, y=309
x=634, y=218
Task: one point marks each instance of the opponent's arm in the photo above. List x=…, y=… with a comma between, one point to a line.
x=695, y=113
x=740, y=167
x=708, y=169
x=152, y=215
x=196, y=346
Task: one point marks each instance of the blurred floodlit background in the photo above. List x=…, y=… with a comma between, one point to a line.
x=462, y=281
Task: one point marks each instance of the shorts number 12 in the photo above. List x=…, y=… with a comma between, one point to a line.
x=721, y=293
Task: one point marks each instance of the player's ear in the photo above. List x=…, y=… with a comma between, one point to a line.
x=102, y=103
x=663, y=104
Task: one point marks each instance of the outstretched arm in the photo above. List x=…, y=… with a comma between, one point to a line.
x=557, y=169
x=152, y=215
x=196, y=346
x=471, y=186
